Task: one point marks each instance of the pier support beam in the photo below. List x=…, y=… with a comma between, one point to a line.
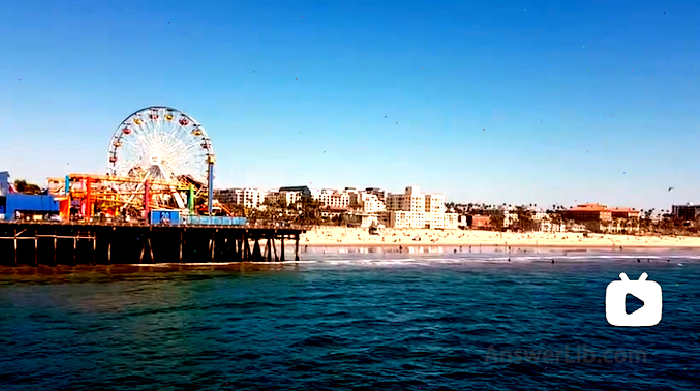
x=282, y=250
x=296, y=257
x=238, y=256
x=15, y=243
x=143, y=249
x=269, y=249
x=150, y=248
x=274, y=247
x=212, y=243
x=256, y=251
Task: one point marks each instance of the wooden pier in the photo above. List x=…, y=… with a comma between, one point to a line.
x=37, y=244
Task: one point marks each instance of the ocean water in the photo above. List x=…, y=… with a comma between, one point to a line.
x=350, y=322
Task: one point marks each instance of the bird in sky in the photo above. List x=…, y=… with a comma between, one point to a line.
x=670, y=189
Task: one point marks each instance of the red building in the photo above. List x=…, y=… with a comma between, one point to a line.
x=597, y=217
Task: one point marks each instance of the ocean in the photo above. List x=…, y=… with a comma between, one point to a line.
x=351, y=321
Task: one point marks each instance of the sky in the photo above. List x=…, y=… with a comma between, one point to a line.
x=496, y=101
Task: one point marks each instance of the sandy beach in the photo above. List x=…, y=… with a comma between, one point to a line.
x=328, y=236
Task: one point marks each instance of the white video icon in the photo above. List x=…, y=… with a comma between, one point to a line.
x=647, y=291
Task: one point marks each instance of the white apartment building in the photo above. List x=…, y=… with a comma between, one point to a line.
x=451, y=220
x=370, y=203
x=435, y=210
x=411, y=201
x=288, y=197
x=248, y=197
x=331, y=198
x=416, y=210
x=408, y=209
x=509, y=218
x=405, y=219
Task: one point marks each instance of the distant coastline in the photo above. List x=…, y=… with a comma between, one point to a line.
x=509, y=241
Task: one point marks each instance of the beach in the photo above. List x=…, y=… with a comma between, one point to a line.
x=328, y=236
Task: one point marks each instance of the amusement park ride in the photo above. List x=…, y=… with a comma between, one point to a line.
x=159, y=158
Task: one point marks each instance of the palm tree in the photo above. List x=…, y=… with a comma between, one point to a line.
x=524, y=218
x=22, y=186
x=496, y=220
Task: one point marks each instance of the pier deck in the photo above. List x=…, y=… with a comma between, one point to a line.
x=34, y=244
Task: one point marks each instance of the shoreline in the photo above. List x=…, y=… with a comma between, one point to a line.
x=492, y=245
x=355, y=237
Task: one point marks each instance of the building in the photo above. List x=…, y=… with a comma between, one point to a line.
x=5, y=183
x=624, y=213
x=410, y=201
x=600, y=218
x=479, y=221
x=370, y=203
x=407, y=209
x=435, y=211
x=248, y=197
x=331, y=198
x=286, y=197
x=451, y=220
x=595, y=213
x=413, y=209
x=17, y=206
x=462, y=221
x=304, y=190
x=381, y=195
x=687, y=212
x=510, y=218
x=404, y=219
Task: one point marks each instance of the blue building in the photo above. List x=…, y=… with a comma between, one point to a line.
x=17, y=205
x=14, y=205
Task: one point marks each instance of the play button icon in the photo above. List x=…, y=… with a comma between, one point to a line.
x=632, y=303
x=648, y=292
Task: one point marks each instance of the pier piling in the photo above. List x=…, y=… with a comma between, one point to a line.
x=282, y=250
x=296, y=251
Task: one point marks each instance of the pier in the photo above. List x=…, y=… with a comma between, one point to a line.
x=34, y=244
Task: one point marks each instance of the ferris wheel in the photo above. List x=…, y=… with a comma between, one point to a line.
x=164, y=146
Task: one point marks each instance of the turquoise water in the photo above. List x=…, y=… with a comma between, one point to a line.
x=349, y=322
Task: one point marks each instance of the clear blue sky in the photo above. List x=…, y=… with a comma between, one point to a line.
x=517, y=69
